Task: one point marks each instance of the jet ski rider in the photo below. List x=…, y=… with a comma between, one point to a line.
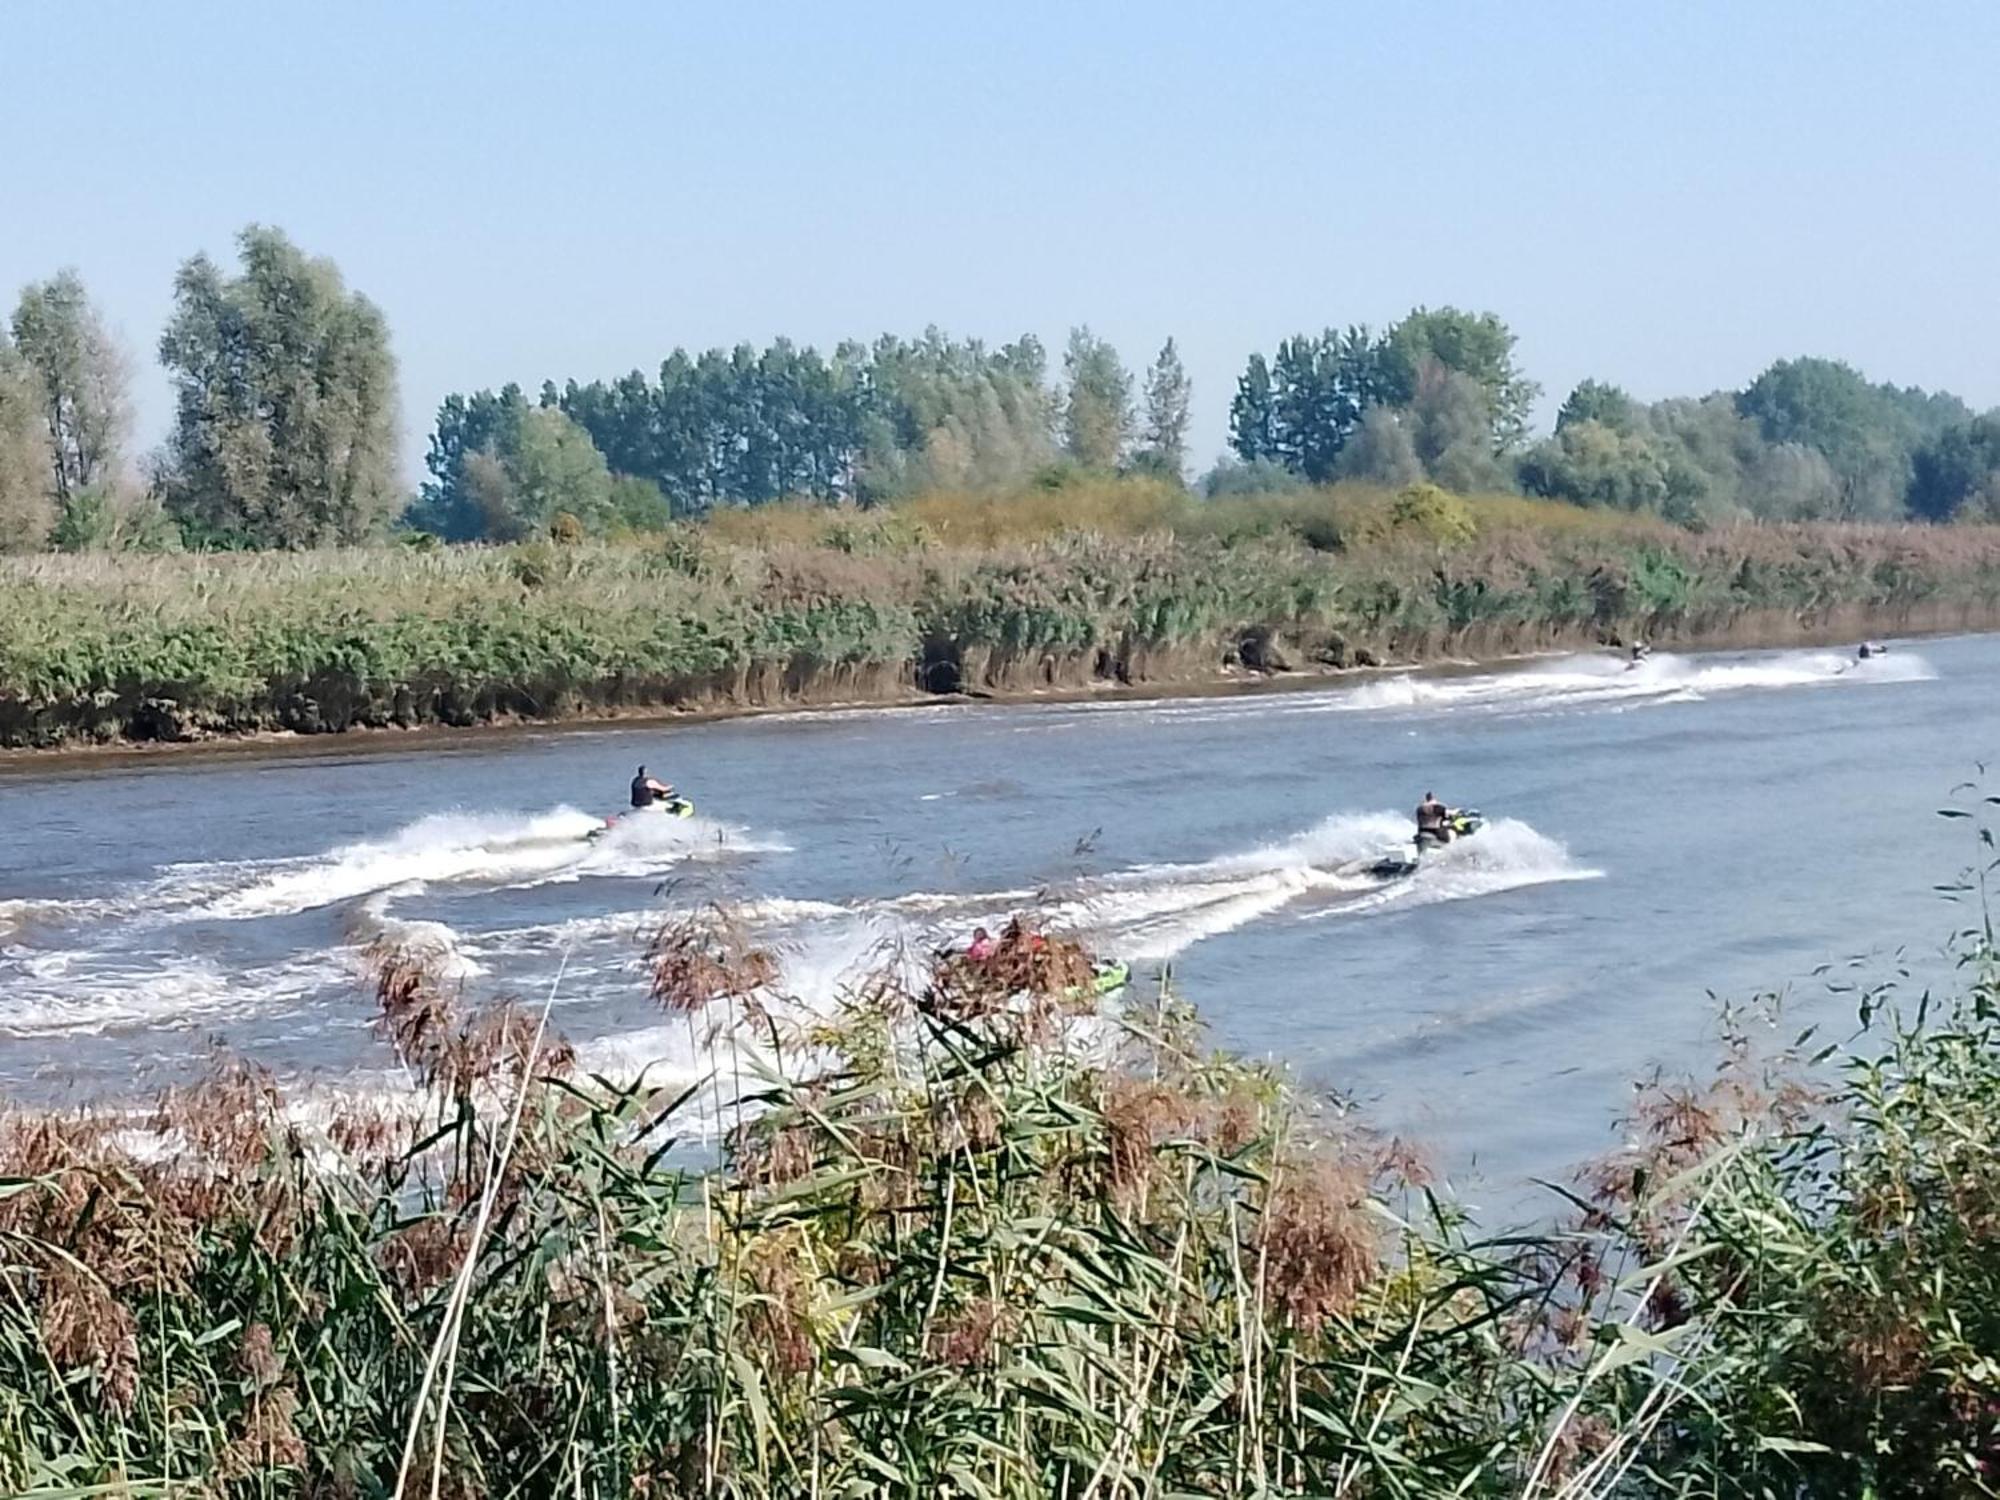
x=646, y=791
x=1433, y=820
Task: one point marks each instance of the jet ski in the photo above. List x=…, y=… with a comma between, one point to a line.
x=1106, y=976
x=1397, y=863
x=666, y=807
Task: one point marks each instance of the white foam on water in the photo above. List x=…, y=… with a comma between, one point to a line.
x=443, y=847
x=630, y=927
x=436, y=942
x=89, y=994
x=507, y=850
x=1577, y=682
x=1154, y=912
x=1585, y=681
x=23, y=918
x=1505, y=855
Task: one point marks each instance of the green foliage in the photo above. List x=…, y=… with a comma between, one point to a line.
x=1258, y=476
x=82, y=379
x=554, y=469
x=26, y=514
x=285, y=424
x=636, y=505
x=1438, y=395
x=1957, y=472
x=1442, y=518
x=1096, y=402
x=1864, y=432
x=1382, y=450
x=1252, y=418
x=1595, y=401
x=1163, y=442
x=1094, y=577
x=86, y=523
x=502, y=470
x=1590, y=462
x=749, y=427
x=1477, y=346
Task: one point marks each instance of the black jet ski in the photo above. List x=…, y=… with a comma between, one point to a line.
x=665, y=807
x=1463, y=822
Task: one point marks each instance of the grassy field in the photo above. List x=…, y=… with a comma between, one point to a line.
x=1124, y=581
x=978, y=1238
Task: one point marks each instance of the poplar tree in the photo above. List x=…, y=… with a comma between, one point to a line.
x=1168, y=394
x=1097, y=401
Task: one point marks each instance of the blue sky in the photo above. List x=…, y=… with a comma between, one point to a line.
x=1665, y=195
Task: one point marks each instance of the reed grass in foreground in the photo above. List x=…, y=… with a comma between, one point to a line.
x=980, y=1238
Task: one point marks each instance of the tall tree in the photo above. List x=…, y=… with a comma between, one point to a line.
x=1298, y=440
x=83, y=382
x=285, y=422
x=25, y=513
x=461, y=501
x=1596, y=401
x=1303, y=408
x=1252, y=419
x=1168, y=396
x=554, y=467
x=1097, y=401
x=1476, y=345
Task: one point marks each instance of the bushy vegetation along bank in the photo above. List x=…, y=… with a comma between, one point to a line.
x=991, y=1243
x=1115, y=582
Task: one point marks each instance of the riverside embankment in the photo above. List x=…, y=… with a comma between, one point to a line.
x=830, y=607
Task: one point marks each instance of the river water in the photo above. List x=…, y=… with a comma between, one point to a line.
x=1703, y=825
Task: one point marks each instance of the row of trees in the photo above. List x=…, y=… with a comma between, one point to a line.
x=1439, y=396
x=1808, y=439
x=1436, y=395
x=746, y=426
x=285, y=415
x=285, y=426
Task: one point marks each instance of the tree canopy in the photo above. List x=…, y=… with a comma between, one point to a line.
x=285, y=426
x=83, y=379
x=26, y=514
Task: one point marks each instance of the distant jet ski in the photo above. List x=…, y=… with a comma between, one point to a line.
x=1401, y=862
x=666, y=807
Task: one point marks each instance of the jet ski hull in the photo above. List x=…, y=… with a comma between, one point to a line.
x=1113, y=974
x=1399, y=864
x=669, y=807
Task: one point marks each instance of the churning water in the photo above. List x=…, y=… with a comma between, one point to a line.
x=1700, y=823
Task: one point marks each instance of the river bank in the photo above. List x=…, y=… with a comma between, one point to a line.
x=1070, y=685
x=866, y=610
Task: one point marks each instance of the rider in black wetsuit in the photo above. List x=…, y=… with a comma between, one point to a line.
x=646, y=791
